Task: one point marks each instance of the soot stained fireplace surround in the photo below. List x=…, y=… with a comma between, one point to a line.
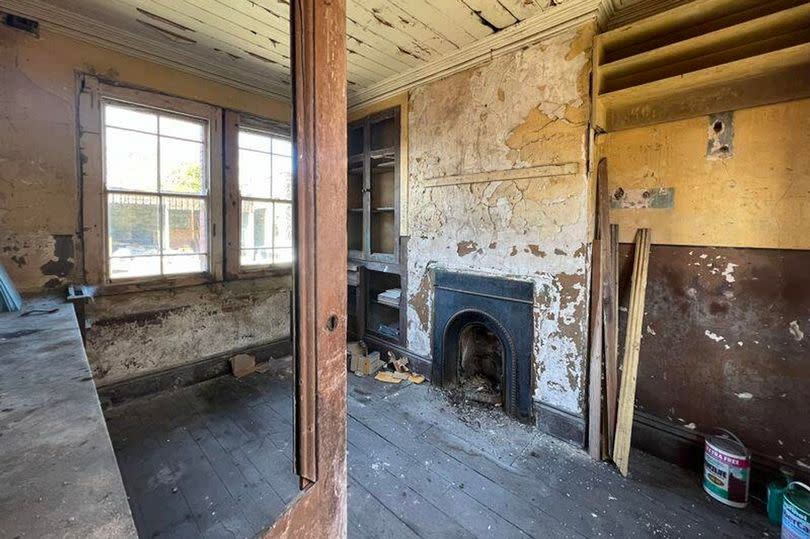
x=503, y=307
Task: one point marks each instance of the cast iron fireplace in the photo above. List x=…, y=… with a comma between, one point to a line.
x=476, y=319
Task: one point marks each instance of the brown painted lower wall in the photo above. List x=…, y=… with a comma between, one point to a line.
x=726, y=343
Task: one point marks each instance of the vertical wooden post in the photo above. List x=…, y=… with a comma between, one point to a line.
x=319, y=75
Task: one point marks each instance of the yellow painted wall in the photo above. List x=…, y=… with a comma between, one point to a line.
x=759, y=197
x=39, y=187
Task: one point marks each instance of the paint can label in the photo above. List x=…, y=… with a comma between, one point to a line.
x=795, y=522
x=725, y=476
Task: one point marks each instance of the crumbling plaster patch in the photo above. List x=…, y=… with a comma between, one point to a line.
x=136, y=334
x=520, y=110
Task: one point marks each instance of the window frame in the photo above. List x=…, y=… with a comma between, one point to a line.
x=93, y=94
x=234, y=121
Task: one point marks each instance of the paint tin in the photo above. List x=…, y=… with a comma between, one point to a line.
x=796, y=512
x=726, y=469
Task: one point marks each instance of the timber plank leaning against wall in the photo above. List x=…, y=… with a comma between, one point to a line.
x=758, y=197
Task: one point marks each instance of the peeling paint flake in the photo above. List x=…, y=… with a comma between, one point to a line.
x=796, y=331
x=728, y=273
x=713, y=336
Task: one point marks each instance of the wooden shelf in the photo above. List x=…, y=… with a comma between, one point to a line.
x=768, y=78
x=747, y=62
x=766, y=34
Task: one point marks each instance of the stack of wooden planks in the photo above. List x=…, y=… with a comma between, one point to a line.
x=610, y=414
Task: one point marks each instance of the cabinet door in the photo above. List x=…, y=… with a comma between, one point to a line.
x=383, y=187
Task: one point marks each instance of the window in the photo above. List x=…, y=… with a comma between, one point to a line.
x=265, y=199
x=156, y=192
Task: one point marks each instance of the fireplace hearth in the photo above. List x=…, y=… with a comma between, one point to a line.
x=482, y=339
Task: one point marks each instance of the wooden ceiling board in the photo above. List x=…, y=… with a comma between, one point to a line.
x=492, y=13
x=246, y=43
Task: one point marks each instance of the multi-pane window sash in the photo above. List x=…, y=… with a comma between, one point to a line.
x=265, y=192
x=156, y=187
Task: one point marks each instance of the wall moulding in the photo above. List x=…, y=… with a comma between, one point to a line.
x=528, y=173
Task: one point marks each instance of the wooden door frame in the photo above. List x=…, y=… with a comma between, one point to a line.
x=318, y=31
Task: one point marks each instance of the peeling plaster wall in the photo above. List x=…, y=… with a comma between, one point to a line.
x=40, y=237
x=140, y=333
x=526, y=109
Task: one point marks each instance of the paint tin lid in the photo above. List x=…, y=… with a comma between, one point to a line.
x=799, y=495
x=730, y=444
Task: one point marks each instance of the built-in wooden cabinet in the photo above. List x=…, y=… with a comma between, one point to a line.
x=373, y=188
x=375, y=261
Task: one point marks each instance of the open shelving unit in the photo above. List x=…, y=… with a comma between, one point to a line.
x=704, y=57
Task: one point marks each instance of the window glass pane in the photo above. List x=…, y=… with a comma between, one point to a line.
x=184, y=220
x=282, y=177
x=182, y=166
x=257, y=224
x=282, y=230
x=173, y=126
x=283, y=256
x=130, y=160
x=133, y=225
x=142, y=266
x=256, y=257
x=254, y=173
x=282, y=147
x=251, y=140
x=185, y=264
x=130, y=118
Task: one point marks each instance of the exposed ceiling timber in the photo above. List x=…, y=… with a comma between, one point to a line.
x=393, y=45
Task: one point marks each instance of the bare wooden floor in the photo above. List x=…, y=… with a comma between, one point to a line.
x=214, y=460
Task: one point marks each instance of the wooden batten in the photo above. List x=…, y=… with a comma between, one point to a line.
x=632, y=346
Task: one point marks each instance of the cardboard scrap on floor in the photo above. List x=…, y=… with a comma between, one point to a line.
x=360, y=361
x=416, y=378
x=387, y=377
x=242, y=365
x=367, y=365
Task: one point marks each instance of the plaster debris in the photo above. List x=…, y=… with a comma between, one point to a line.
x=739, y=343
x=713, y=336
x=690, y=426
x=803, y=464
x=744, y=396
x=796, y=331
x=704, y=256
x=650, y=330
x=729, y=271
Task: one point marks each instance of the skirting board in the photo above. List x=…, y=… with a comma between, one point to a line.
x=684, y=447
x=186, y=375
x=561, y=424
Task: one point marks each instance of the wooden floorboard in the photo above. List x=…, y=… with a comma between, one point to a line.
x=215, y=460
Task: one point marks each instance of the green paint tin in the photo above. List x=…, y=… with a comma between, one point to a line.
x=796, y=512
